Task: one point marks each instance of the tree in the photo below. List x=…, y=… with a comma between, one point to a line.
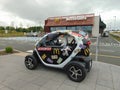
x=10, y=28
x=2, y=28
x=35, y=29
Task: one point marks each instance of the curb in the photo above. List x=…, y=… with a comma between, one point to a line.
x=19, y=53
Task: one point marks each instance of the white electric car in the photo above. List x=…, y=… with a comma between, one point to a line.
x=66, y=50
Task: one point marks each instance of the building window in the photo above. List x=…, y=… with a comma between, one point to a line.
x=79, y=27
x=71, y=28
x=57, y=28
x=87, y=29
x=52, y=29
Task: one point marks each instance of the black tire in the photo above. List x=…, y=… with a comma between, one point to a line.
x=30, y=62
x=76, y=71
x=90, y=66
x=36, y=56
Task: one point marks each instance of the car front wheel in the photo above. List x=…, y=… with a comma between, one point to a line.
x=30, y=62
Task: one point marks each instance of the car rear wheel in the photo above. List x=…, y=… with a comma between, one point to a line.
x=30, y=62
x=90, y=66
x=76, y=71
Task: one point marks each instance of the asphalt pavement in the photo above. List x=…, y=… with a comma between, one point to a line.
x=108, y=50
x=21, y=45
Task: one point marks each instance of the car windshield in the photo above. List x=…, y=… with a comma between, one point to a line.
x=53, y=35
x=83, y=33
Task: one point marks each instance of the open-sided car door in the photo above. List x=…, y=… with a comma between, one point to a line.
x=57, y=50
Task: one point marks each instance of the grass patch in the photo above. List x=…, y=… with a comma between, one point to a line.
x=116, y=37
x=7, y=50
x=116, y=32
x=12, y=34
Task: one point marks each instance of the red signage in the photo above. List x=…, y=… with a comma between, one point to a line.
x=73, y=17
x=44, y=49
x=76, y=34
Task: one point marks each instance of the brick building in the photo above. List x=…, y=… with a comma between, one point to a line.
x=86, y=22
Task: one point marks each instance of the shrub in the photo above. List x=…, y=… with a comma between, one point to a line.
x=8, y=49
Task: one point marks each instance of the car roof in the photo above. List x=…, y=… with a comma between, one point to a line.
x=70, y=32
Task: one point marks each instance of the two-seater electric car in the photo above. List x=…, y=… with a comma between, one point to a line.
x=66, y=50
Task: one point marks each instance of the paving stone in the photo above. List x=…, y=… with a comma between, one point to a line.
x=105, y=79
x=60, y=77
x=5, y=88
x=40, y=81
x=1, y=86
x=24, y=76
x=105, y=75
x=116, y=78
x=14, y=83
x=84, y=86
x=15, y=76
x=105, y=83
x=71, y=83
x=52, y=85
x=30, y=87
x=99, y=87
x=67, y=87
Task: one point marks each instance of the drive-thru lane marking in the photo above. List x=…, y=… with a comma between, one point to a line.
x=106, y=56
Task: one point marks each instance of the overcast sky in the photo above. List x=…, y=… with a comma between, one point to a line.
x=32, y=12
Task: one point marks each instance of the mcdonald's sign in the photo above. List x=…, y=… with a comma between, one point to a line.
x=56, y=51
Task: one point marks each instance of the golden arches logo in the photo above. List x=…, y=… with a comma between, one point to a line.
x=56, y=51
x=56, y=19
x=86, y=51
x=44, y=56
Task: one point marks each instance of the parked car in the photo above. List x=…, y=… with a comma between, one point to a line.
x=105, y=34
x=33, y=34
x=65, y=50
